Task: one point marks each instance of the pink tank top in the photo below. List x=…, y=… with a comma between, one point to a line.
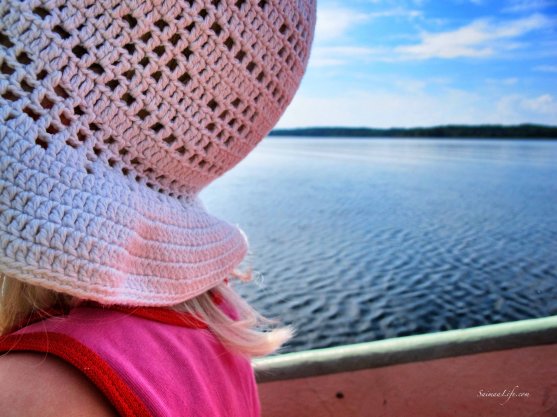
x=147, y=361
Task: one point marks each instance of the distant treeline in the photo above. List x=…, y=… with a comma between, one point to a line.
x=450, y=131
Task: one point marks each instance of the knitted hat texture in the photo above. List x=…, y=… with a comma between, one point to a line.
x=114, y=114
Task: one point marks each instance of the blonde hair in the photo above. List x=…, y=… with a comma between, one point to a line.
x=249, y=333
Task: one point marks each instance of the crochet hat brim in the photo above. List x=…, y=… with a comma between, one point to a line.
x=104, y=237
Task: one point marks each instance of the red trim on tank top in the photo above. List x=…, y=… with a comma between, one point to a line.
x=120, y=395
x=162, y=315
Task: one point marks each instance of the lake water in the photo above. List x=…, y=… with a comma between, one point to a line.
x=364, y=239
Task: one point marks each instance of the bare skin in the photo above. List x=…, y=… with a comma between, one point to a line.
x=35, y=385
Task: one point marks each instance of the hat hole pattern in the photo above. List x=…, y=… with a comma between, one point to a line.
x=113, y=84
x=10, y=95
x=26, y=86
x=130, y=20
x=128, y=99
x=5, y=41
x=31, y=113
x=41, y=12
x=159, y=50
x=6, y=69
x=60, y=31
x=202, y=118
x=23, y=58
x=41, y=142
x=146, y=37
x=130, y=48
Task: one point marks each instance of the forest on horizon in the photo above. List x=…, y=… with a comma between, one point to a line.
x=523, y=131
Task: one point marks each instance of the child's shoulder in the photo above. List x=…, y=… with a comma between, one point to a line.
x=33, y=384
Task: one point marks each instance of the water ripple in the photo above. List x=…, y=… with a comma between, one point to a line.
x=359, y=240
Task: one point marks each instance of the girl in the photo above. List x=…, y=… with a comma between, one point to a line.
x=113, y=116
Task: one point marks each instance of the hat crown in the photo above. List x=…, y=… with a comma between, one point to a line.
x=168, y=93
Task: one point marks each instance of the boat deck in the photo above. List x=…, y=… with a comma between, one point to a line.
x=507, y=369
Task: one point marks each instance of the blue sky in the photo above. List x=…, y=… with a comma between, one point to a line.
x=406, y=63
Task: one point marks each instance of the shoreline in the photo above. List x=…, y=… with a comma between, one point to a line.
x=483, y=132
x=467, y=138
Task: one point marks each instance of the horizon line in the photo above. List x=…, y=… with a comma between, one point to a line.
x=422, y=127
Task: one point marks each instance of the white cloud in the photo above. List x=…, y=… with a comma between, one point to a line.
x=544, y=104
x=410, y=86
x=334, y=22
x=525, y=6
x=540, y=109
x=376, y=109
x=481, y=38
x=418, y=107
x=546, y=68
x=397, y=12
x=502, y=81
x=328, y=56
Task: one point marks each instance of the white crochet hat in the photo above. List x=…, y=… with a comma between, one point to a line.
x=114, y=114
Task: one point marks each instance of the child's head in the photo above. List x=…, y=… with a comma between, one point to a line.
x=114, y=118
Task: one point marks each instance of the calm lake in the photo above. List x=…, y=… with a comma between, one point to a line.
x=364, y=239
